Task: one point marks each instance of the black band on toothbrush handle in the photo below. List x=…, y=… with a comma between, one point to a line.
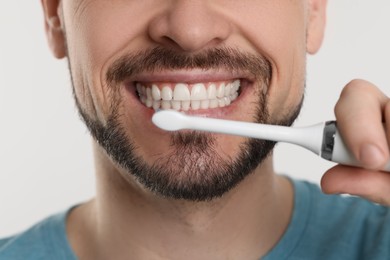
x=328, y=140
x=334, y=149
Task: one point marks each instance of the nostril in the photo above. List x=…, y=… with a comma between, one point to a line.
x=190, y=26
x=168, y=41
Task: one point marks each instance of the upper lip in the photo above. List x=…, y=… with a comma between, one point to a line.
x=190, y=76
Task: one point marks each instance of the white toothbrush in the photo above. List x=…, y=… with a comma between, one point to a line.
x=322, y=139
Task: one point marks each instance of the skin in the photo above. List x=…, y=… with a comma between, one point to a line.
x=127, y=220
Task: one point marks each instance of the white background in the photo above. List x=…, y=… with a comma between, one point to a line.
x=45, y=154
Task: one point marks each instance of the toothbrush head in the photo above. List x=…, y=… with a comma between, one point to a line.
x=170, y=120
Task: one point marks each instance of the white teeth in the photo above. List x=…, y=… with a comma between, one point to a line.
x=232, y=90
x=236, y=85
x=204, y=104
x=181, y=92
x=221, y=91
x=179, y=97
x=156, y=105
x=156, y=93
x=198, y=92
x=228, y=87
x=214, y=103
x=234, y=96
x=139, y=88
x=195, y=104
x=166, y=93
x=227, y=101
x=185, y=105
x=166, y=104
x=149, y=93
x=212, y=92
x=176, y=105
x=221, y=102
x=149, y=102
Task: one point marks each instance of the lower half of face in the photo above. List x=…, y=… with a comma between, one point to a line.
x=188, y=165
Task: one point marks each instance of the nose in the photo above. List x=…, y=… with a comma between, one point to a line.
x=190, y=26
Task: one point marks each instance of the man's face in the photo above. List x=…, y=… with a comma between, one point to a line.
x=239, y=60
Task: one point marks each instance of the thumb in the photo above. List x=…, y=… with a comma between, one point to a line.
x=371, y=185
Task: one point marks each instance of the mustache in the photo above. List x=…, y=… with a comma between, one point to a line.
x=159, y=59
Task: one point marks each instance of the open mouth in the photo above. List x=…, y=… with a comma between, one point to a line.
x=184, y=96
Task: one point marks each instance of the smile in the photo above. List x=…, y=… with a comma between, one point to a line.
x=184, y=96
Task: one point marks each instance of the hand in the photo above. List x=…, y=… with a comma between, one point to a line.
x=360, y=113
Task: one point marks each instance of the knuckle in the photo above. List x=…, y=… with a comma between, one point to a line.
x=384, y=201
x=387, y=111
x=359, y=87
x=380, y=194
x=374, y=197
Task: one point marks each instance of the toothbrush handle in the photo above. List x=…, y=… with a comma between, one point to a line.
x=335, y=150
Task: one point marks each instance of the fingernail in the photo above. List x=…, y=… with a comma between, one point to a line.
x=371, y=156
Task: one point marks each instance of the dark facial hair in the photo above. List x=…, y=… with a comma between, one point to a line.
x=194, y=171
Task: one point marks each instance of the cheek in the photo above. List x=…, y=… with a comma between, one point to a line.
x=288, y=81
x=281, y=38
x=97, y=34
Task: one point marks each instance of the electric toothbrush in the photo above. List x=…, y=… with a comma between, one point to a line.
x=322, y=139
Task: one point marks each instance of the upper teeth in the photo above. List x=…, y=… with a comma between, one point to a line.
x=182, y=96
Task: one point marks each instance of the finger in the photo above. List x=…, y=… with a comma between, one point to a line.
x=372, y=185
x=359, y=113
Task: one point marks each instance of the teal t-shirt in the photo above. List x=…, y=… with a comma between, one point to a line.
x=322, y=227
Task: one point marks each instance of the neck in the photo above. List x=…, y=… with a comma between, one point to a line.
x=125, y=220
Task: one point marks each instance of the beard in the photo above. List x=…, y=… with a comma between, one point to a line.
x=194, y=171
